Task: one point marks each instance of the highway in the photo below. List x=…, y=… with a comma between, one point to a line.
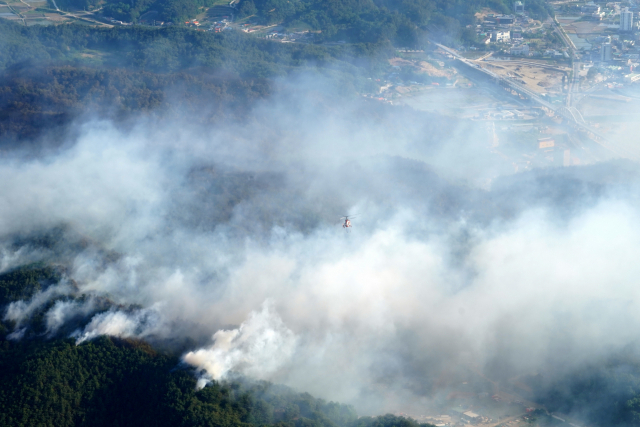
x=516, y=86
x=86, y=16
x=565, y=38
x=574, y=85
x=569, y=113
x=524, y=62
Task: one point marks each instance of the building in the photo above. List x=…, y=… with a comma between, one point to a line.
x=626, y=20
x=523, y=49
x=518, y=7
x=500, y=36
x=505, y=19
x=439, y=420
x=471, y=417
x=456, y=411
x=606, y=54
x=546, y=142
x=590, y=8
x=631, y=78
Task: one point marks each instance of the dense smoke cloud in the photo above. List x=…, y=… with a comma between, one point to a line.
x=260, y=346
x=20, y=311
x=63, y=312
x=232, y=237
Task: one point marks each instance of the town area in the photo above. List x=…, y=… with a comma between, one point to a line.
x=561, y=92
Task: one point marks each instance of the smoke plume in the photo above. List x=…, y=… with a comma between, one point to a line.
x=187, y=231
x=260, y=346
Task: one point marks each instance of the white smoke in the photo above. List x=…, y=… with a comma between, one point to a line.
x=258, y=348
x=12, y=258
x=21, y=311
x=94, y=184
x=411, y=294
x=64, y=311
x=137, y=324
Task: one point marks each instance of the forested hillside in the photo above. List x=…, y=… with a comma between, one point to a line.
x=49, y=75
x=109, y=382
x=168, y=50
x=607, y=393
x=39, y=98
x=113, y=382
x=402, y=22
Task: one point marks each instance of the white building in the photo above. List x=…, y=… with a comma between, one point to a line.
x=471, y=417
x=633, y=77
x=626, y=20
x=501, y=36
x=523, y=49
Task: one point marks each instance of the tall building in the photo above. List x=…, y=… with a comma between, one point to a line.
x=518, y=7
x=626, y=20
x=606, y=54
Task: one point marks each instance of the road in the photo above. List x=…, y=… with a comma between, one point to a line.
x=54, y=3
x=83, y=15
x=574, y=85
x=17, y=13
x=483, y=57
x=562, y=111
x=80, y=14
x=530, y=63
x=565, y=38
x=516, y=86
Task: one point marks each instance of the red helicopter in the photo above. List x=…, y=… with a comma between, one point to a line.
x=347, y=223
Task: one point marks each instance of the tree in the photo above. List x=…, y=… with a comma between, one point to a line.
x=247, y=8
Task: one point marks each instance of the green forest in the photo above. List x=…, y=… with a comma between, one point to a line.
x=48, y=75
x=401, y=22
x=168, y=50
x=50, y=381
x=116, y=382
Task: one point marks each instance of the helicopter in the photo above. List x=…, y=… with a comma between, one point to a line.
x=347, y=223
